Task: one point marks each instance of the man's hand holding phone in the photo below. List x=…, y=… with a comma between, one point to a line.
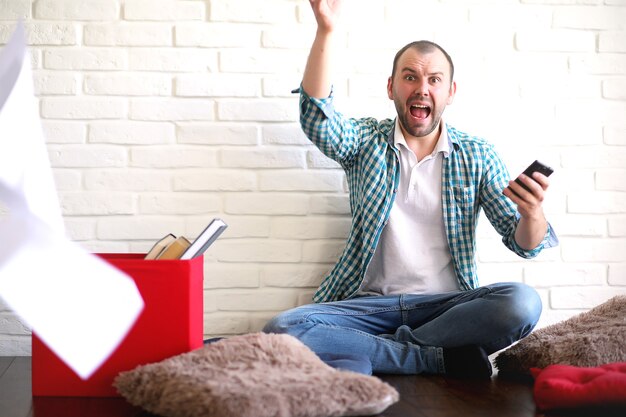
x=527, y=190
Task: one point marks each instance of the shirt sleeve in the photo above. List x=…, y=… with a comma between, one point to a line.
x=549, y=240
x=335, y=135
x=502, y=212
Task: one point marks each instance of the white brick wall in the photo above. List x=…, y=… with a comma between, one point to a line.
x=161, y=114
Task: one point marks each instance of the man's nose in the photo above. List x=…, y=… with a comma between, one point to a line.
x=421, y=88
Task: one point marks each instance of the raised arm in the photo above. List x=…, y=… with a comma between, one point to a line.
x=317, y=73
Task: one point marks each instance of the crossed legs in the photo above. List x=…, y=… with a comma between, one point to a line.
x=409, y=334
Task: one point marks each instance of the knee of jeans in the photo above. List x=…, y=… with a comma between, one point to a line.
x=279, y=324
x=525, y=305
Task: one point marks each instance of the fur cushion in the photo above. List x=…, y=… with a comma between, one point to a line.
x=254, y=375
x=592, y=338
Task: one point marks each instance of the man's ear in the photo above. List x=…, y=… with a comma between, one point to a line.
x=390, y=88
x=452, y=92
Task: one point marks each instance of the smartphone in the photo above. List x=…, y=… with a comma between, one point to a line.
x=532, y=168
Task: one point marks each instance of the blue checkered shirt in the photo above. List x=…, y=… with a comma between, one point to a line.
x=473, y=177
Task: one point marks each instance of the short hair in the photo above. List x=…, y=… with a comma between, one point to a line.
x=422, y=46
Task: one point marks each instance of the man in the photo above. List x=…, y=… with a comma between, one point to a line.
x=404, y=295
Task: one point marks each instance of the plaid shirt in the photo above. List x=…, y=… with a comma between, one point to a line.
x=473, y=178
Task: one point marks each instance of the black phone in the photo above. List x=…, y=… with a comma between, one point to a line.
x=532, y=168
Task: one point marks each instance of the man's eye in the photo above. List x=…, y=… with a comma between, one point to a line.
x=435, y=80
x=409, y=78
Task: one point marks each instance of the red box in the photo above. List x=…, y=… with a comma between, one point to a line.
x=170, y=323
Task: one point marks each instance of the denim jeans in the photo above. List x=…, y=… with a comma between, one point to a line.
x=406, y=334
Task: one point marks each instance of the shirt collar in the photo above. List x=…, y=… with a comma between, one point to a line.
x=443, y=143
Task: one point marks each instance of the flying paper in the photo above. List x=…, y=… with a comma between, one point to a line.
x=79, y=305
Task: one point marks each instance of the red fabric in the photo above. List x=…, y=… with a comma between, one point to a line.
x=564, y=386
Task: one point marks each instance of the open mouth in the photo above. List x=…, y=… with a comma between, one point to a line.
x=419, y=111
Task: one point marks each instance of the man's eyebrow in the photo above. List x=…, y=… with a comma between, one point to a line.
x=412, y=71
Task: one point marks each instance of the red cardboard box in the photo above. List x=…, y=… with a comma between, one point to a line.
x=171, y=323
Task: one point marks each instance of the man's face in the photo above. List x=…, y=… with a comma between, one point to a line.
x=421, y=89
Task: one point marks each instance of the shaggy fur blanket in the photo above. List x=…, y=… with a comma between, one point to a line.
x=592, y=338
x=255, y=375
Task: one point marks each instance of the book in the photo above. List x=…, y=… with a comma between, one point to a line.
x=158, y=247
x=205, y=239
x=172, y=247
x=175, y=249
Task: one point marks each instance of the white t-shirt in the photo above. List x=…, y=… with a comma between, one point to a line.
x=412, y=256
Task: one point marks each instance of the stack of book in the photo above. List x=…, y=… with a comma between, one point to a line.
x=171, y=247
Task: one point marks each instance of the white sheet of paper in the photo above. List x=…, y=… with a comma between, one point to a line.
x=24, y=165
x=79, y=305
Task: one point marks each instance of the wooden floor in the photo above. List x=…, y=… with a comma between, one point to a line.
x=419, y=397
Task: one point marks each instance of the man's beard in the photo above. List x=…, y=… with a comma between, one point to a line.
x=417, y=131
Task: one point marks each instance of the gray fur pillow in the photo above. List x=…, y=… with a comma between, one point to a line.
x=255, y=375
x=592, y=338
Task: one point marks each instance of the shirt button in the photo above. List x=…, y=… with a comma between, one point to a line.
x=395, y=190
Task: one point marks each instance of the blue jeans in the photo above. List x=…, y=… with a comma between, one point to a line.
x=406, y=334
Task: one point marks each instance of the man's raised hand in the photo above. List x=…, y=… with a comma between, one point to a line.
x=316, y=80
x=326, y=13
